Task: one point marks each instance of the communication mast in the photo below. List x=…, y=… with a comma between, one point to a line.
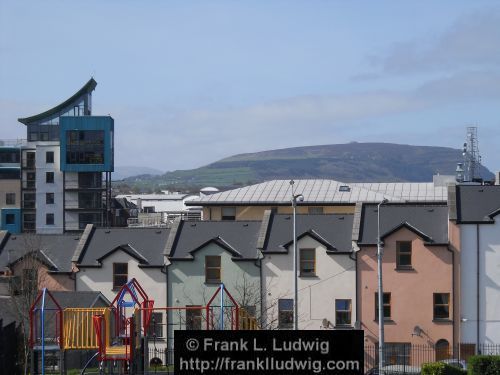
x=472, y=159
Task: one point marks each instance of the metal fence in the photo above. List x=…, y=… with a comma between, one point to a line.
x=405, y=354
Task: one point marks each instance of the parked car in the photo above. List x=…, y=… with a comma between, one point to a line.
x=460, y=363
x=395, y=370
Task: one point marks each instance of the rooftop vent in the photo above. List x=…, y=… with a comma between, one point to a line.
x=344, y=188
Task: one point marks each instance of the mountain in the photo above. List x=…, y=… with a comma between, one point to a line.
x=122, y=172
x=360, y=162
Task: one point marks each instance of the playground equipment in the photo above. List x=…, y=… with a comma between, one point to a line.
x=122, y=333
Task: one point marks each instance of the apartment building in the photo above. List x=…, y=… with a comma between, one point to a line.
x=66, y=166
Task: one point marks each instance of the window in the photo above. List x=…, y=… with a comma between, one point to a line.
x=88, y=218
x=285, y=313
x=120, y=275
x=315, y=210
x=342, y=312
x=441, y=305
x=156, y=325
x=30, y=180
x=212, y=269
x=29, y=221
x=85, y=147
x=90, y=180
x=403, y=254
x=149, y=209
x=398, y=353
x=10, y=219
x=49, y=157
x=10, y=198
x=49, y=177
x=307, y=262
x=193, y=318
x=49, y=198
x=387, y=306
x=49, y=219
x=29, y=200
x=228, y=213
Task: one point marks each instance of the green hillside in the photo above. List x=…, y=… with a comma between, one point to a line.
x=360, y=162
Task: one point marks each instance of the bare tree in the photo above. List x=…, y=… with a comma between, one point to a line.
x=25, y=278
x=264, y=310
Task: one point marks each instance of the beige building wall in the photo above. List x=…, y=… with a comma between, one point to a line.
x=257, y=212
x=411, y=291
x=10, y=186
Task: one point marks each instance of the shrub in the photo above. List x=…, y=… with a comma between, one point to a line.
x=484, y=365
x=440, y=368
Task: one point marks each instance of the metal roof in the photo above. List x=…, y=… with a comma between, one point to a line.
x=317, y=191
x=86, y=89
x=477, y=203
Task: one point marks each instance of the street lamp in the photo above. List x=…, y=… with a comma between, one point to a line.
x=295, y=198
x=380, y=293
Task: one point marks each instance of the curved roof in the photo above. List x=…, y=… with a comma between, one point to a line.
x=86, y=89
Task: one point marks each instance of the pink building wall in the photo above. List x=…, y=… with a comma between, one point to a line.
x=411, y=291
x=51, y=281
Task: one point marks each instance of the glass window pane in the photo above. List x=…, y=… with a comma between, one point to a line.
x=213, y=261
x=285, y=304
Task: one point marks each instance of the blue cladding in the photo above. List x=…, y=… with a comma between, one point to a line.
x=11, y=220
x=81, y=126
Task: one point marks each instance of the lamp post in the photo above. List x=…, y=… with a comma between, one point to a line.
x=380, y=293
x=295, y=197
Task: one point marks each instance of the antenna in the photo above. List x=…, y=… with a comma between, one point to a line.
x=472, y=159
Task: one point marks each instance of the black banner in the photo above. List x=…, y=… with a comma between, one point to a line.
x=269, y=352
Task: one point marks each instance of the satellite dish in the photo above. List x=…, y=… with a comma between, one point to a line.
x=326, y=323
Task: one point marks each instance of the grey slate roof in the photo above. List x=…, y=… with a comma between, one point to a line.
x=278, y=192
x=476, y=203
x=239, y=236
x=64, y=298
x=430, y=221
x=55, y=250
x=146, y=243
x=7, y=310
x=332, y=229
x=80, y=299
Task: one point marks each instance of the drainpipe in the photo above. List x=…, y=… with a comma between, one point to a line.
x=478, y=291
x=258, y=263
x=164, y=270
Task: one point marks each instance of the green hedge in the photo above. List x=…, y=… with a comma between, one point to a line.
x=440, y=368
x=484, y=365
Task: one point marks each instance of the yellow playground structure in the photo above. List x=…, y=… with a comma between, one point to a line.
x=120, y=334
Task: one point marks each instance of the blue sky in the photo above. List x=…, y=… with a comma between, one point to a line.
x=190, y=82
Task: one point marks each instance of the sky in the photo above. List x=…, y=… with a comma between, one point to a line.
x=191, y=82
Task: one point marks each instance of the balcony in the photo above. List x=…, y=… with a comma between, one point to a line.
x=28, y=163
x=29, y=184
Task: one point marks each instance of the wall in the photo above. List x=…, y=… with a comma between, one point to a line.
x=186, y=282
x=455, y=246
x=335, y=279
x=411, y=291
x=51, y=281
x=487, y=292
x=42, y=187
x=257, y=212
x=101, y=278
